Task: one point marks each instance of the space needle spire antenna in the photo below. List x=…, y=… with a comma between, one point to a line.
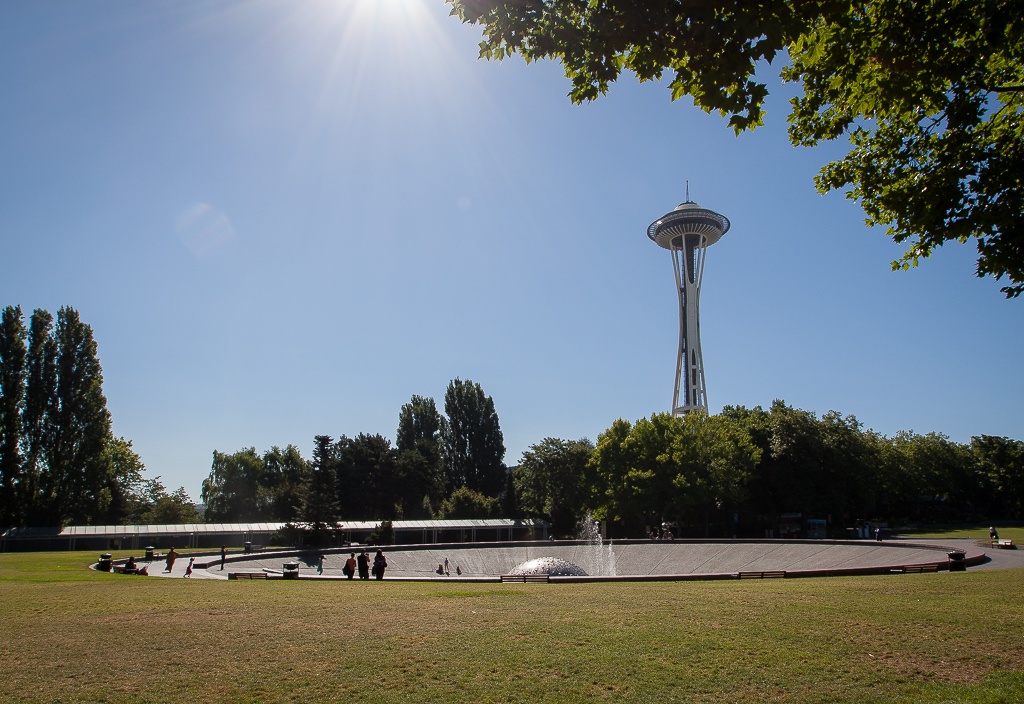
x=687, y=232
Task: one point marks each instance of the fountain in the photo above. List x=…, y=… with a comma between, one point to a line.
x=551, y=566
x=593, y=558
x=599, y=559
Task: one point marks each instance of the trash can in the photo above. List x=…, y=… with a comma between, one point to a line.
x=291, y=570
x=106, y=560
x=248, y=546
x=149, y=553
x=957, y=561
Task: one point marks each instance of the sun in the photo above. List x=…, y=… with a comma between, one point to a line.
x=353, y=50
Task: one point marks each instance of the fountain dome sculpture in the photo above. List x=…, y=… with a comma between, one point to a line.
x=551, y=566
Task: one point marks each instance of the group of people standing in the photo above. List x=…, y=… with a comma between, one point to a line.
x=445, y=571
x=362, y=565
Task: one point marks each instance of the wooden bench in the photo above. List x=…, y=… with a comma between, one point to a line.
x=767, y=574
x=247, y=575
x=525, y=579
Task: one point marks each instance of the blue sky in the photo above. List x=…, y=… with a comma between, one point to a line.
x=284, y=218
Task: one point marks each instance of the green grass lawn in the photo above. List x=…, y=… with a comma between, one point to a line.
x=977, y=532
x=70, y=635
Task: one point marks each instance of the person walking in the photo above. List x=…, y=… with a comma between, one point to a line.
x=320, y=565
x=188, y=570
x=350, y=566
x=223, y=556
x=379, y=565
x=364, y=565
x=171, y=557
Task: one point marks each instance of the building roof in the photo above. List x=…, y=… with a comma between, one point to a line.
x=122, y=531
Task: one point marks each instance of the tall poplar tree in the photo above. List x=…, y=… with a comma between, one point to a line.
x=40, y=388
x=12, y=401
x=59, y=462
x=472, y=444
x=75, y=483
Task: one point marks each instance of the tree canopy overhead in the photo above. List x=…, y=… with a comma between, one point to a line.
x=928, y=92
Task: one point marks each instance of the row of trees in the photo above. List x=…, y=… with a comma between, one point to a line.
x=743, y=471
x=752, y=472
x=59, y=461
x=439, y=464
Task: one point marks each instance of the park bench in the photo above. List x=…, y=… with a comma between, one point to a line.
x=525, y=579
x=766, y=574
x=247, y=575
x=915, y=569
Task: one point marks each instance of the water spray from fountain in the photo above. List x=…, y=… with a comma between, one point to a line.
x=599, y=559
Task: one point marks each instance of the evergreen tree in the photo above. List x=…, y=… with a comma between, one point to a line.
x=320, y=507
x=12, y=402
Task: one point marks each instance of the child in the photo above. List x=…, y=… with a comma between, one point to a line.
x=188, y=570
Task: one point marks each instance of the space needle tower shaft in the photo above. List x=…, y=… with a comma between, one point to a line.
x=687, y=232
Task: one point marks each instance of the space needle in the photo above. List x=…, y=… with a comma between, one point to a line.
x=687, y=232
